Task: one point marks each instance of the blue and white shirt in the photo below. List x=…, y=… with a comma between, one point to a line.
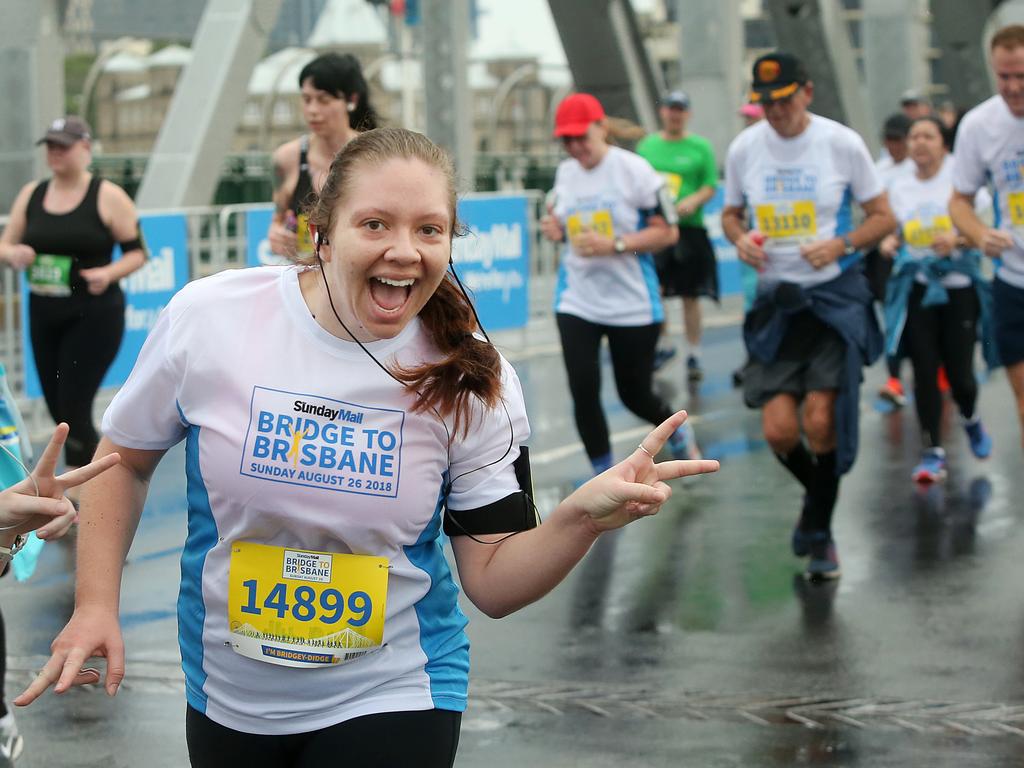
x=235, y=361
x=800, y=190
x=614, y=289
x=990, y=150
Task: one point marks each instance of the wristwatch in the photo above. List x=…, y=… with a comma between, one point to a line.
x=619, y=245
x=848, y=248
x=6, y=553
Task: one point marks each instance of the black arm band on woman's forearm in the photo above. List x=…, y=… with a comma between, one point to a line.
x=135, y=244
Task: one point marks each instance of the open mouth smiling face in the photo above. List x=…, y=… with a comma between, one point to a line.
x=390, y=246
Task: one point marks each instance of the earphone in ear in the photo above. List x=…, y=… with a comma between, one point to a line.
x=351, y=106
x=316, y=238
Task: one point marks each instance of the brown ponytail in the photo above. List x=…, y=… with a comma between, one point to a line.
x=468, y=367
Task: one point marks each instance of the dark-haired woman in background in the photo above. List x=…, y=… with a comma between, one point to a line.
x=336, y=107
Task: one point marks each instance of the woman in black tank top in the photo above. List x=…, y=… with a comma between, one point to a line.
x=62, y=232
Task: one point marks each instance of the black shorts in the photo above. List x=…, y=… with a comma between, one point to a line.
x=689, y=267
x=1008, y=311
x=425, y=738
x=811, y=358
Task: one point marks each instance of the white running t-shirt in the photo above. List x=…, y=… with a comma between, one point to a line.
x=615, y=289
x=990, y=148
x=237, y=366
x=922, y=209
x=800, y=190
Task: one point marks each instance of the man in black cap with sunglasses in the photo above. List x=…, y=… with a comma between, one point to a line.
x=794, y=176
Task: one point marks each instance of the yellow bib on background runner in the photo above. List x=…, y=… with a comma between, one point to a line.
x=302, y=608
x=303, y=240
x=673, y=183
x=596, y=221
x=795, y=221
x=50, y=275
x=918, y=234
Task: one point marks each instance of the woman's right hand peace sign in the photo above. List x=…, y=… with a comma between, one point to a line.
x=50, y=513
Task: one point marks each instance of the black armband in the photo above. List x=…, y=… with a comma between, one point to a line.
x=135, y=244
x=512, y=514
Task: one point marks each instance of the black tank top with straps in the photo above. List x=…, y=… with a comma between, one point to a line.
x=302, y=197
x=80, y=233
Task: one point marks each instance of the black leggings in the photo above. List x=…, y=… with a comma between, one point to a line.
x=944, y=335
x=426, y=739
x=75, y=340
x=632, y=349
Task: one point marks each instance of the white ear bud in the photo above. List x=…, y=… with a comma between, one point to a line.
x=316, y=238
x=351, y=106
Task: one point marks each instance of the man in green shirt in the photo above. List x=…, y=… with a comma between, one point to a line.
x=687, y=269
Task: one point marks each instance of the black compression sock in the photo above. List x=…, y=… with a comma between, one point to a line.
x=824, y=490
x=800, y=463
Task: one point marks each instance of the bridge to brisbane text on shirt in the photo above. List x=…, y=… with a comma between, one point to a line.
x=307, y=439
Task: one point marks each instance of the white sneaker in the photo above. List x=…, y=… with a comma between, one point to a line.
x=11, y=742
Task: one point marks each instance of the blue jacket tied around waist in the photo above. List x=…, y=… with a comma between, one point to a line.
x=934, y=269
x=843, y=304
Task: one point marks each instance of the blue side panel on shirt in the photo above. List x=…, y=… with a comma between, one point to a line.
x=202, y=536
x=844, y=225
x=442, y=623
x=650, y=274
x=562, y=284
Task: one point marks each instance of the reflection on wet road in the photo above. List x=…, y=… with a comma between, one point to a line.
x=687, y=639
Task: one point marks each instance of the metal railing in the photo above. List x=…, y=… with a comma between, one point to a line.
x=217, y=240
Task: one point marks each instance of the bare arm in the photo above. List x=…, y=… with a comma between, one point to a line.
x=689, y=204
x=748, y=245
x=991, y=241
x=502, y=578
x=879, y=221
x=12, y=250
x=656, y=235
x=118, y=212
x=110, y=510
x=281, y=234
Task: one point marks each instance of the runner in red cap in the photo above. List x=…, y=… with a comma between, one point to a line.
x=611, y=210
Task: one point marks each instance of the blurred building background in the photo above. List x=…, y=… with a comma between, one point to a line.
x=125, y=85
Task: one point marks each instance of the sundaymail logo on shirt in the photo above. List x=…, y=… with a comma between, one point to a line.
x=320, y=442
x=791, y=184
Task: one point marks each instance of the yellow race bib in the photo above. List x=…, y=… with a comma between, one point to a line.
x=590, y=221
x=1015, y=204
x=673, y=183
x=919, y=234
x=304, y=241
x=302, y=608
x=795, y=221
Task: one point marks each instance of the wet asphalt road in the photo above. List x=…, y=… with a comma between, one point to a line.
x=687, y=639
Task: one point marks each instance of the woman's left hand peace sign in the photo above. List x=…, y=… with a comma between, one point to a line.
x=637, y=486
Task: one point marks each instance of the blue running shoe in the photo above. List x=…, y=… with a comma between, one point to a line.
x=693, y=370
x=662, y=355
x=683, y=443
x=932, y=467
x=981, y=441
x=824, y=562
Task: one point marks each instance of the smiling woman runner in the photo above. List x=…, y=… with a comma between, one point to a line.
x=318, y=617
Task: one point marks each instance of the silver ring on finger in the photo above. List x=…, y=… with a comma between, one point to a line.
x=642, y=448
